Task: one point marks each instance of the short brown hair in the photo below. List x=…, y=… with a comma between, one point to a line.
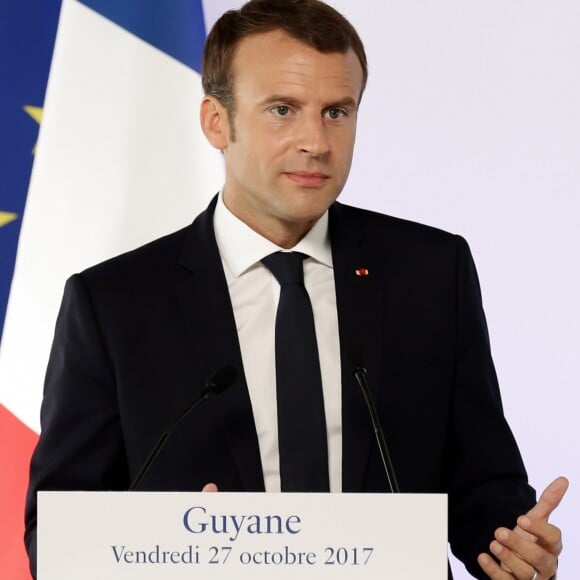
x=310, y=21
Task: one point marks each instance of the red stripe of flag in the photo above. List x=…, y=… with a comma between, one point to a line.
x=16, y=444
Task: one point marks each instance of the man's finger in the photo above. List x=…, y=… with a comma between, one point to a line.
x=546, y=534
x=523, y=567
x=522, y=556
x=210, y=487
x=550, y=499
x=492, y=569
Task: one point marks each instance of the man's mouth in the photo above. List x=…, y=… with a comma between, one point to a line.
x=307, y=178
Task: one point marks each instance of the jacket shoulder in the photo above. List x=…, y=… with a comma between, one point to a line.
x=406, y=235
x=147, y=260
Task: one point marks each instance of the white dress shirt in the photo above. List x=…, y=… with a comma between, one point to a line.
x=254, y=293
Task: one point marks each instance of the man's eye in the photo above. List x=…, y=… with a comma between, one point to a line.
x=281, y=110
x=335, y=113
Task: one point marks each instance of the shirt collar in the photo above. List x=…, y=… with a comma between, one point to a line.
x=240, y=247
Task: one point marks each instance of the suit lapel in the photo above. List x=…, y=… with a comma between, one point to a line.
x=358, y=278
x=206, y=305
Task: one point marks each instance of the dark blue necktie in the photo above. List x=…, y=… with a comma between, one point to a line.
x=301, y=423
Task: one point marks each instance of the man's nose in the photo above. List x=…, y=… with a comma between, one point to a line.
x=313, y=136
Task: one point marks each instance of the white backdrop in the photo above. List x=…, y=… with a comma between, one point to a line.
x=471, y=123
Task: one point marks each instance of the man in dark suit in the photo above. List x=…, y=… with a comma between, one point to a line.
x=138, y=336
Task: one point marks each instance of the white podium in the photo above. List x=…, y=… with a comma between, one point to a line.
x=162, y=535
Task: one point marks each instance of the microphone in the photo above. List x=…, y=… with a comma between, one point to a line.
x=360, y=374
x=215, y=385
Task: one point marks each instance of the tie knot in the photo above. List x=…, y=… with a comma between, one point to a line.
x=286, y=267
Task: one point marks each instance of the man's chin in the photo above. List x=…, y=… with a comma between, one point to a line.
x=307, y=207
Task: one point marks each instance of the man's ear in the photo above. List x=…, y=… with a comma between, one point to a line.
x=215, y=122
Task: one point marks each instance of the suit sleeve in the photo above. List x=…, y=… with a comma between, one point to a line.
x=487, y=479
x=79, y=408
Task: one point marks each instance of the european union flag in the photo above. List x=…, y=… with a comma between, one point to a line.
x=27, y=33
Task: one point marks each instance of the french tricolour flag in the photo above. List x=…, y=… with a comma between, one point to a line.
x=120, y=160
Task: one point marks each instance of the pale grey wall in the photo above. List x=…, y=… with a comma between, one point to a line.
x=471, y=123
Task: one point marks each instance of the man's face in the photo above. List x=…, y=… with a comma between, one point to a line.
x=294, y=125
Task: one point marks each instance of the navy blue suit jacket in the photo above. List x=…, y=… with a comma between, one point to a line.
x=137, y=337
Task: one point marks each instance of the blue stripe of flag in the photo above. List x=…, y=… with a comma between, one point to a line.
x=176, y=27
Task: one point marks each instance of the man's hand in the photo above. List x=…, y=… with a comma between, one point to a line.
x=210, y=487
x=530, y=551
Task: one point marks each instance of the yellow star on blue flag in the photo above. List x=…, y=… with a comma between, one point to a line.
x=36, y=114
x=6, y=217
